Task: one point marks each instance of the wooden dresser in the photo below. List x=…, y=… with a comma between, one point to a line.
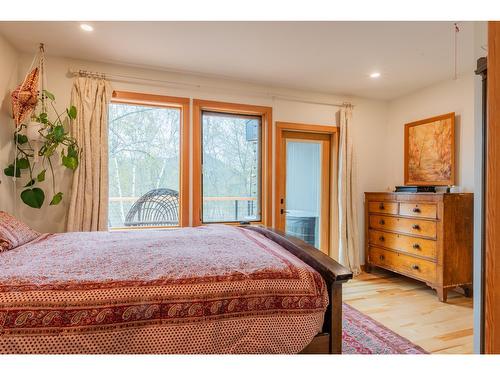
x=426, y=236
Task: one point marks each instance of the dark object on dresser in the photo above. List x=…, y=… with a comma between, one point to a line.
x=425, y=236
x=415, y=189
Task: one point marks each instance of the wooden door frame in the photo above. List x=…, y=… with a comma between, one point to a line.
x=492, y=197
x=281, y=127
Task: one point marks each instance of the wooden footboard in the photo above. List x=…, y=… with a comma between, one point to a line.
x=330, y=339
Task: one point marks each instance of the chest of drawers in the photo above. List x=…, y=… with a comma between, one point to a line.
x=426, y=236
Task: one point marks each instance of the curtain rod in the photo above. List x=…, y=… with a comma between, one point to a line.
x=159, y=82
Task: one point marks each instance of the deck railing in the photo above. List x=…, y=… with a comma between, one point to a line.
x=215, y=209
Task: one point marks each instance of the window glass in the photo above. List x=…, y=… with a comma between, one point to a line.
x=231, y=167
x=143, y=165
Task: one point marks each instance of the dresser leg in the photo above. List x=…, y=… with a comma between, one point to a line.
x=368, y=268
x=442, y=294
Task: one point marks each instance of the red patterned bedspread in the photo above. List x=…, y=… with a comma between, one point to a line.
x=213, y=289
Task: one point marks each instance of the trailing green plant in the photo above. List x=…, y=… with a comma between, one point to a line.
x=54, y=141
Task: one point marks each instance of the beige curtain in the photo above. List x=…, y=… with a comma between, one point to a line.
x=347, y=195
x=88, y=210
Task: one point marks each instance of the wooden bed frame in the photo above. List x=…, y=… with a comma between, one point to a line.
x=329, y=341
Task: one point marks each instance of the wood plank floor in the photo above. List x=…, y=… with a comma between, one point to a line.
x=412, y=310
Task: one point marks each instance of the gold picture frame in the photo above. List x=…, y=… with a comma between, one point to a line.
x=430, y=151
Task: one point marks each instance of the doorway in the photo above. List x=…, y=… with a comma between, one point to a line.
x=305, y=157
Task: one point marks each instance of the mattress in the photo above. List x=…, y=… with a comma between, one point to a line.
x=210, y=289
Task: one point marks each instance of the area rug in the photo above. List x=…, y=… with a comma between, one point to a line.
x=363, y=335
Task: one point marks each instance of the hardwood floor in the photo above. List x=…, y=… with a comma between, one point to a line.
x=412, y=310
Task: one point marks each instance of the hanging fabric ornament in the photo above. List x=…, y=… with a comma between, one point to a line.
x=25, y=97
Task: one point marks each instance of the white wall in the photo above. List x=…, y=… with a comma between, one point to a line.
x=8, y=80
x=369, y=117
x=450, y=96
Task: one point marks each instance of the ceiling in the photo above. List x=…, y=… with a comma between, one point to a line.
x=329, y=57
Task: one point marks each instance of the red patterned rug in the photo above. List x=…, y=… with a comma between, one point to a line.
x=363, y=335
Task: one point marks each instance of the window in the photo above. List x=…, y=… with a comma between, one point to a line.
x=147, y=161
x=231, y=166
x=231, y=163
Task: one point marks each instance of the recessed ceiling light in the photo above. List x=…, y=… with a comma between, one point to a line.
x=86, y=27
x=375, y=75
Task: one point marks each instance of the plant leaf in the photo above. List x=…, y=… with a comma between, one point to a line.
x=72, y=151
x=58, y=133
x=31, y=183
x=41, y=176
x=33, y=197
x=9, y=171
x=43, y=118
x=71, y=112
x=56, y=199
x=70, y=162
x=49, y=95
x=21, y=139
x=23, y=163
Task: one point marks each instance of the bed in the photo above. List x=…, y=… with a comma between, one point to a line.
x=210, y=289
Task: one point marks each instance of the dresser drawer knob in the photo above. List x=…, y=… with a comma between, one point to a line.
x=416, y=226
x=415, y=267
x=381, y=222
x=381, y=206
x=416, y=246
x=416, y=210
x=381, y=238
x=381, y=257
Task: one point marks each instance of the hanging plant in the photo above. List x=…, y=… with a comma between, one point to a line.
x=45, y=139
x=39, y=141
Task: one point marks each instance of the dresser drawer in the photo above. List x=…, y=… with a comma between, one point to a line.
x=383, y=207
x=427, y=210
x=405, y=264
x=400, y=242
x=404, y=225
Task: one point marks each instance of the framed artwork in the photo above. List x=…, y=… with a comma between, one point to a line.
x=430, y=151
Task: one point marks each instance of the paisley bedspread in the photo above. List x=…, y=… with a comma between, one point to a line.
x=212, y=289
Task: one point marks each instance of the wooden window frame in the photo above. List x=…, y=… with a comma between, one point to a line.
x=266, y=151
x=183, y=104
